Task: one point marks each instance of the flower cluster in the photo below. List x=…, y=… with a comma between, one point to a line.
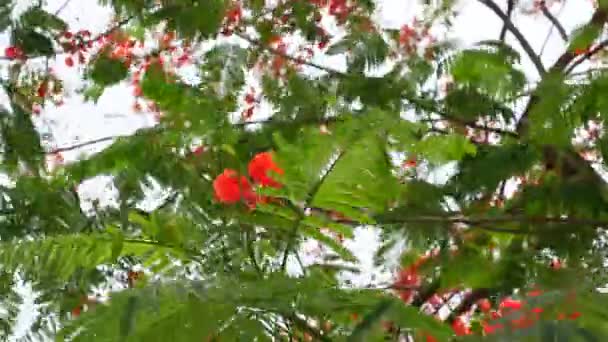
x=14, y=52
x=230, y=187
x=417, y=36
x=76, y=44
x=509, y=313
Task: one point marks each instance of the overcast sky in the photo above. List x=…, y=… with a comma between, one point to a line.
x=77, y=121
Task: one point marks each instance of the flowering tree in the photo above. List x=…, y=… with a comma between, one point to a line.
x=269, y=149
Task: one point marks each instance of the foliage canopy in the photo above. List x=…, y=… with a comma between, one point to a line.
x=268, y=150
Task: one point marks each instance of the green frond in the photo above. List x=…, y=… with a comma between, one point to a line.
x=58, y=259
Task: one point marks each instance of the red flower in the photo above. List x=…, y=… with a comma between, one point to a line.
x=234, y=14
x=249, y=98
x=199, y=150
x=322, y=44
x=460, y=327
x=494, y=315
x=411, y=162
x=260, y=166
x=69, y=62
x=430, y=338
x=407, y=281
x=537, y=310
x=484, y=305
x=247, y=113
x=522, y=322
x=230, y=188
x=36, y=109
x=182, y=60
x=137, y=91
x=13, y=52
x=555, y=264
x=42, y=89
x=510, y=304
x=574, y=315
x=406, y=34
x=490, y=329
x=76, y=311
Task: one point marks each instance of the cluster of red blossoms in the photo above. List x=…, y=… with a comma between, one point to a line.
x=76, y=44
x=415, y=35
x=14, y=52
x=516, y=312
x=230, y=187
x=509, y=313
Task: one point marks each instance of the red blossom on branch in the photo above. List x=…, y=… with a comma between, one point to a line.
x=231, y=188
x=13, y=52
x=260, y=168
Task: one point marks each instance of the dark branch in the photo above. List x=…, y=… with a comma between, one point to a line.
x=85, y=143
x=62, y=7
x=518, y=35
x=554, y=21
x=503, y=31
x=497, y=219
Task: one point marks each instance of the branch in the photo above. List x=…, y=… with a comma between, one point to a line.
x=518, y=35
x=497, y=219
x=274, y=51
x=62, y=7
x=503, y=31
x=448, y=117
x=600, y=16
x=472, y=125
x=85, y=143
x=587, y=56
x=554, y=21
x=112, y=29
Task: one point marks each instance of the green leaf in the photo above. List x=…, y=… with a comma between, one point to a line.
x=37, y=17
x=490, y=71
x=583, y=37
x=107, y=71
x=445, y=148
x=32, y=43
x=58, y=258
x=6, y=8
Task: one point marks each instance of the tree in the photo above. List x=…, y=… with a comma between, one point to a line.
x=514, y=239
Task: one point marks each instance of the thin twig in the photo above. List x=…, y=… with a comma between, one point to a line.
x=274, y=51
x=62, y=7
x=518, y=35
x=85, y=143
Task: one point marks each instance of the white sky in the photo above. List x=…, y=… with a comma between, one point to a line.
x=78, y=121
